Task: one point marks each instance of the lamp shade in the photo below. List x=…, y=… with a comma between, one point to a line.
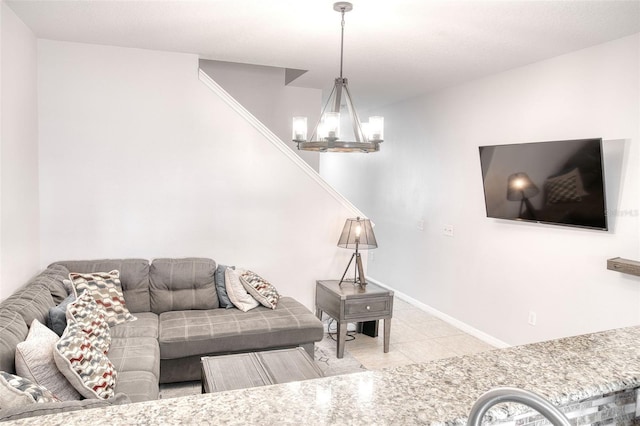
x=357, y=234
x=520, y=187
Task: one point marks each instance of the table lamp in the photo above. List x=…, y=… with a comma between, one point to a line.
x=357, y=234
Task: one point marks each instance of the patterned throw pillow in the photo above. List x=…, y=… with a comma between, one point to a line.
x=236, y=291
x=17, y=391
x=565, y=188
x=92, y=320
x=261, y=290
x=106, y=290
x=85, y=367
x=34, y=361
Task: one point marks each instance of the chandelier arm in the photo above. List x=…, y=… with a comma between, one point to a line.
x=338, y=86
x=357, y=125
x=315, y=129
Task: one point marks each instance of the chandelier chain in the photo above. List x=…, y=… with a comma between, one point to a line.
x=342, y=42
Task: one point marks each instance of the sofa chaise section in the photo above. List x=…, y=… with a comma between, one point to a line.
x=185, y=336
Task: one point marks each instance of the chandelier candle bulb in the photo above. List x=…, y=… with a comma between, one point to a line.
x=376, y=128
x=299, y=128
x=322, y=131
x=332, y=123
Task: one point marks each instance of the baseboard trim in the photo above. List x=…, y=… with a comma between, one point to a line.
x=444, y=317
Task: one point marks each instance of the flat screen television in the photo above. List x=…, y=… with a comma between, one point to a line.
x=559, y=182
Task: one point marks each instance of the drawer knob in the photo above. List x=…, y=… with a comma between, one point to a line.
x=368, y=308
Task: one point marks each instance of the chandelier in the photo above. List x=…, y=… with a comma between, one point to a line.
x=333, y=132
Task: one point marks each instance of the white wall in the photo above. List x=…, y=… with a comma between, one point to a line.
x=492, y=272
x=138, y=158
x=19, y=215
x=262, y=91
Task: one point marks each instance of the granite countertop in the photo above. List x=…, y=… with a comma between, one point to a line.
x=438, y=392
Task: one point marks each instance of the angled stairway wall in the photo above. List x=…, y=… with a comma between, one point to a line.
x=139, y=158
x=263, y=92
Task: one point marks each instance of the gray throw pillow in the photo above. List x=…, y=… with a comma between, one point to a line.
x=223, y=297
x=57, y=320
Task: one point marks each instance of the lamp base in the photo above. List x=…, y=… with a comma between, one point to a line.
x=359, y=278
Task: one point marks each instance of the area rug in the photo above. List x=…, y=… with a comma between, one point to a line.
x=326, y=359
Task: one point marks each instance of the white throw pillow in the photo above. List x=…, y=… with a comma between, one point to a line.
x=236, y=291
x=34, y=361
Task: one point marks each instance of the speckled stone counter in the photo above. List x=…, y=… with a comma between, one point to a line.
x=440, y=392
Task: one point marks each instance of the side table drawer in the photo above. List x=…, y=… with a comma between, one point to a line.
x=379, y=306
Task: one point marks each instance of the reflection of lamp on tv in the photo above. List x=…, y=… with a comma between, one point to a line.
x=521, y=188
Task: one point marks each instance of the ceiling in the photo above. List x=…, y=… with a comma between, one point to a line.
x=394, y=49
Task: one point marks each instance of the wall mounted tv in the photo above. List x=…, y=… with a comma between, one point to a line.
x=559, y=182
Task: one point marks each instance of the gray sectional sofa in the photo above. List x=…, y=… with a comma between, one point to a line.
x=178, y=321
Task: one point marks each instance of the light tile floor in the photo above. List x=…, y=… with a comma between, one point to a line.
x=416, y=336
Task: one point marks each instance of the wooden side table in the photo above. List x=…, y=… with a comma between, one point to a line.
x=349, y=303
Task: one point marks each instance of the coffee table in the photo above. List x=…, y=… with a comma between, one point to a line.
x=246, y=370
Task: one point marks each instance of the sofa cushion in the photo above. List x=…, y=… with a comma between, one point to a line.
x=145, y=326
x=135, y=354
x=180, y=284
x=34, y=361
x=53, y=277
x=86, y=367
x=31, y=302
x=134, y=278
x=57, y=320
x=138, y=385
x=16, y=391
x=13, y=330
x=186, y=333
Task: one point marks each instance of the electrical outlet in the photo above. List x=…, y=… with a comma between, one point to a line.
x=421, y=225
x=447, y=230
x=372, y=256
x=532, y=318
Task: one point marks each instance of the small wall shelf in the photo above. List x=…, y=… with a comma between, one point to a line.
x=625, y=266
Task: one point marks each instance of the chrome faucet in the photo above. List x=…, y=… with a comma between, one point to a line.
x=521, y=396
